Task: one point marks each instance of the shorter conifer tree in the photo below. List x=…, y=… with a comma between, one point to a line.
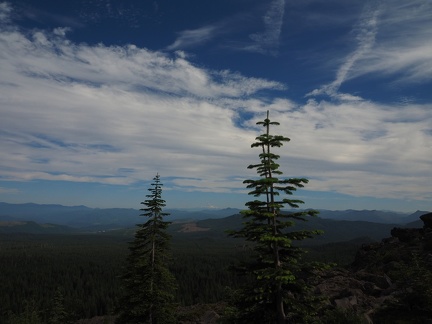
x=148, y=284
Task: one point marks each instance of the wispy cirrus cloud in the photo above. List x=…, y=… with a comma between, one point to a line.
x=267, y=41
x=404, y=48
x=9, y=191
x=5, y=11
x=264, y=42
x=196, y=37
x=392, y=39
x=365, y=33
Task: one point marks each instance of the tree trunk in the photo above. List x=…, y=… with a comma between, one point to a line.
x=281, y=317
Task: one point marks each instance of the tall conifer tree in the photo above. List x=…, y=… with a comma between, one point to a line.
x=275, y=292
x=148, y=284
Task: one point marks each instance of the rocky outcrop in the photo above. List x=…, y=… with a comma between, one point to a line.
x=367, y=286
x=360, y=292
x=373, y=280
x=427, y=220
x=200, y=314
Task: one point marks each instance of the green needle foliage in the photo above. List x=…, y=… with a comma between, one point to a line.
x=276, y=291
x=148, y=284
x=57, y=313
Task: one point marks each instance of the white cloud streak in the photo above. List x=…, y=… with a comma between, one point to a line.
x=5, y=12
x=365, y=32
x=405, y=43
x=9, y=191
x=267, y=42
x=195, y=37
x=394, y=38
x=264, y=42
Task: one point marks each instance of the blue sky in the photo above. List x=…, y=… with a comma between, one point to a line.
x=96, y=97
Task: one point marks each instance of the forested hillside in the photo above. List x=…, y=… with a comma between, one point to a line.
x=85, y=269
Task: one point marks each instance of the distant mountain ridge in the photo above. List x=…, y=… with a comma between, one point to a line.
x=111, y=218
x=375, y=216
x=82, y=216
x=338, y=226
x=31, y=227
x=75, y=214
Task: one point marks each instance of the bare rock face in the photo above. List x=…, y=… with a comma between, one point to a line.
x=360, y=292
x=371, y=281
x=210, y=317
x=407, y=234
x=201, y=314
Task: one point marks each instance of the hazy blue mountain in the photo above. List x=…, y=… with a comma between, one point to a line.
x=71, y=216
x=338, y=226
x=219, y=213
x=95, y=219
x=38, y=212
x=414, y=217
x=375, y=216
x=30, y=227
x=177, y=214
